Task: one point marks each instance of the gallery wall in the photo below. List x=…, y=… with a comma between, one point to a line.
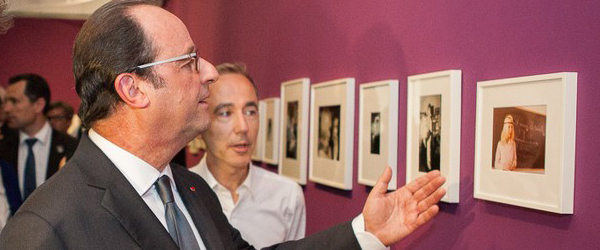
x=379, y=40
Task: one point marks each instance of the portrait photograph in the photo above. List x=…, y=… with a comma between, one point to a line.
x=378, y=131
x=375, y=132
x=430, y=125
x=433, y=133
x=332, y=133
x=525, y=141
x=329, y=132
x=293, y=130
x=270, y=122
x=519, y=139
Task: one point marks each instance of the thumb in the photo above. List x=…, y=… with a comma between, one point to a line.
x=382, y=184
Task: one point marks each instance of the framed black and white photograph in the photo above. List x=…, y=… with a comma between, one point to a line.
x=270, y=119
x=378, y=131
x=257, y=154
x=332, y=133
x=525, y=141
x=294, y=105
x=433, y=128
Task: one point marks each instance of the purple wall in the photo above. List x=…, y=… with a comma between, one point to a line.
x=376, y=40
x=385, y=39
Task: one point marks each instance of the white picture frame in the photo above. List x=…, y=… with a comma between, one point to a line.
x=329, y=164
x=270, y=119
x=542, y=110
x=433, y=128
x=257, y=154
x=293, y=146
x=378, y=131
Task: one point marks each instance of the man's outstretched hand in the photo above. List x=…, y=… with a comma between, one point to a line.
x=393, y=216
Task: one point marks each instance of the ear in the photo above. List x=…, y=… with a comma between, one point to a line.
x=128, y=87
x=39, y=105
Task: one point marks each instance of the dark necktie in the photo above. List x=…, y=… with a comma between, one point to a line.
x=29, y=183
x=177, y=224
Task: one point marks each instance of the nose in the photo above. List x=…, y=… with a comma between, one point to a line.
x=240, y=124
x=208, y=73
x=7, y=107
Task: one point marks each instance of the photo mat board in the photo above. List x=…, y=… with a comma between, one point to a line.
x=378, y=131
x=433, y=128
x=332, y=133
x=294, y=107
x=525, y=141
x=270, y=119
x=257, y=154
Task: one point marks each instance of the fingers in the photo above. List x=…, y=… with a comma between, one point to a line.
x=427, y=215
x=430, y=187
x=431, y=200
x=382, y=184
x=418, y=183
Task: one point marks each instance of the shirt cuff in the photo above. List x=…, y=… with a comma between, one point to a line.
x=366, y=240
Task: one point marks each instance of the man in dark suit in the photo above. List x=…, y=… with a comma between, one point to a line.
x=27, y=99
x=144, y=93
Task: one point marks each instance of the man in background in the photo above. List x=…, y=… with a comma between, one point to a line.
x=267, y=208
x=36, y=151
x=60, y=116
x=6, y=171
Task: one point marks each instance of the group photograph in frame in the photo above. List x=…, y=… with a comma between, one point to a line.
x=378, y=131
x=525, y=141
x=293, y=129
x=257, y=154
x=433, y=128
x=332, y=133
x=270, y=119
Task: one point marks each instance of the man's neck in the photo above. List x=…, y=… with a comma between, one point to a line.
x=147, y=145
x=35, y=127
x=231, y=177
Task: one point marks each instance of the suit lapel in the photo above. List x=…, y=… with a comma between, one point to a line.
x=123, y=202
x=9, y=149
x=120, y=198
x=57, y=151
x=199, y=213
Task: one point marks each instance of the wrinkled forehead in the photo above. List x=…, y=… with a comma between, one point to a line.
x=167, y=33
x=232, y=88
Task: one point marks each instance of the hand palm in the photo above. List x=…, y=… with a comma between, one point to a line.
x=393, y=216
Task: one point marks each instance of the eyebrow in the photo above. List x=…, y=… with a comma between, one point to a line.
x=251, y=104
x=229, y=105
x=221, y=106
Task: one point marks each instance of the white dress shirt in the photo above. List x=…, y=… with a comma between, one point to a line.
x=142, y=177
x=41, y=152
x=256, y=216
x=270, y=208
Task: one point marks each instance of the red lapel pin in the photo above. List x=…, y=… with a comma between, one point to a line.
x=193, y=188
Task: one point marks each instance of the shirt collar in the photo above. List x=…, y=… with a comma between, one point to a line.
x=139, y=173
x=43, y=136
x=214, y=184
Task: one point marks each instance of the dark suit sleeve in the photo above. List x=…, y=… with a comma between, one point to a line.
x=338, y=237
x=40, y=235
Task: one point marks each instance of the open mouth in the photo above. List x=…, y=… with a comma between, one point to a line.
x=241, y=147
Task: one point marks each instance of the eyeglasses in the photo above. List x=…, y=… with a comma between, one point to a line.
x=173, y=59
